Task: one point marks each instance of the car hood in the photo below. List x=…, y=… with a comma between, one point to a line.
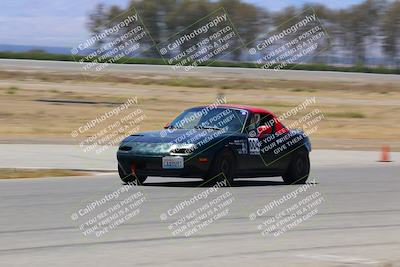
x=161, y=142
x=176, y=136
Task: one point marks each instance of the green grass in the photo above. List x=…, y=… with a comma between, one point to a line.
x=347, y=115
x=303, y=90
x=159, y=61
x=12, y=90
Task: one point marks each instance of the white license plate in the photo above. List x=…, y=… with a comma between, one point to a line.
x=172, y=163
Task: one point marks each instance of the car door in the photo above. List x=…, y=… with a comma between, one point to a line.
x=254, y=160
x=273, y=146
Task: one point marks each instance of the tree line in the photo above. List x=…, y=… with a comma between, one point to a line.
x=365, y=34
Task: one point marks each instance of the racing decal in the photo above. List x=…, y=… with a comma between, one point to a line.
x=241, y=146
x=253, y=133
x=254, y=146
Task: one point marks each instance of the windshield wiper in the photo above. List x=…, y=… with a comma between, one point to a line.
x=207, y=127
x=172, y=127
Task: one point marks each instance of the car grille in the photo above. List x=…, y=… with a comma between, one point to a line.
x=140, y=148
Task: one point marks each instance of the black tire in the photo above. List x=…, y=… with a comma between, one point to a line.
x=222, y=167
x=299, y=168
x=129, y=178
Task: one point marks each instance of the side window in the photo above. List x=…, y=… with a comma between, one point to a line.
x=254, y=122
x=261, y=119
x=256, y=119
x=268, y=120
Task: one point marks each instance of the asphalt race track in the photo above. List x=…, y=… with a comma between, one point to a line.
x=205, y=72
x=357, y=224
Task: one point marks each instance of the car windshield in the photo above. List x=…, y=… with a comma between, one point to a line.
x=231, y=120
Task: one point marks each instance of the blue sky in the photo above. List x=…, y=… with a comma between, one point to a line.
x=62, y=22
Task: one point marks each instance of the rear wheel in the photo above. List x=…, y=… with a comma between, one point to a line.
x=222, y=168
x=299, y=168
x=130, y=178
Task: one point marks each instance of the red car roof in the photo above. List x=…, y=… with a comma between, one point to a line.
x=248, y=108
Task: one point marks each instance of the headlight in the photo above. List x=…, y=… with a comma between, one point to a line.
x=182, y=149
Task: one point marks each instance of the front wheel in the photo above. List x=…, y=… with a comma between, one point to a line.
x=299, y=168
x=131, y=178
x=222, y=168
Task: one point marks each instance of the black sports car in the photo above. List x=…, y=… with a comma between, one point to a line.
x=217, y=142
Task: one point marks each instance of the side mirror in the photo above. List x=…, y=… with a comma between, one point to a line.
x=263, y=130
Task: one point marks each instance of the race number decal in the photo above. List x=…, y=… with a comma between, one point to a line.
x=254, y=146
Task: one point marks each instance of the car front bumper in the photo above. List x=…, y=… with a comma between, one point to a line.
x=147, y=165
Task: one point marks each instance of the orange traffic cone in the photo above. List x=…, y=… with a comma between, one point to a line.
x=385, y=154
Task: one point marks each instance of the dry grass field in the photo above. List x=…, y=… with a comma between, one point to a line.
x=44, y=107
